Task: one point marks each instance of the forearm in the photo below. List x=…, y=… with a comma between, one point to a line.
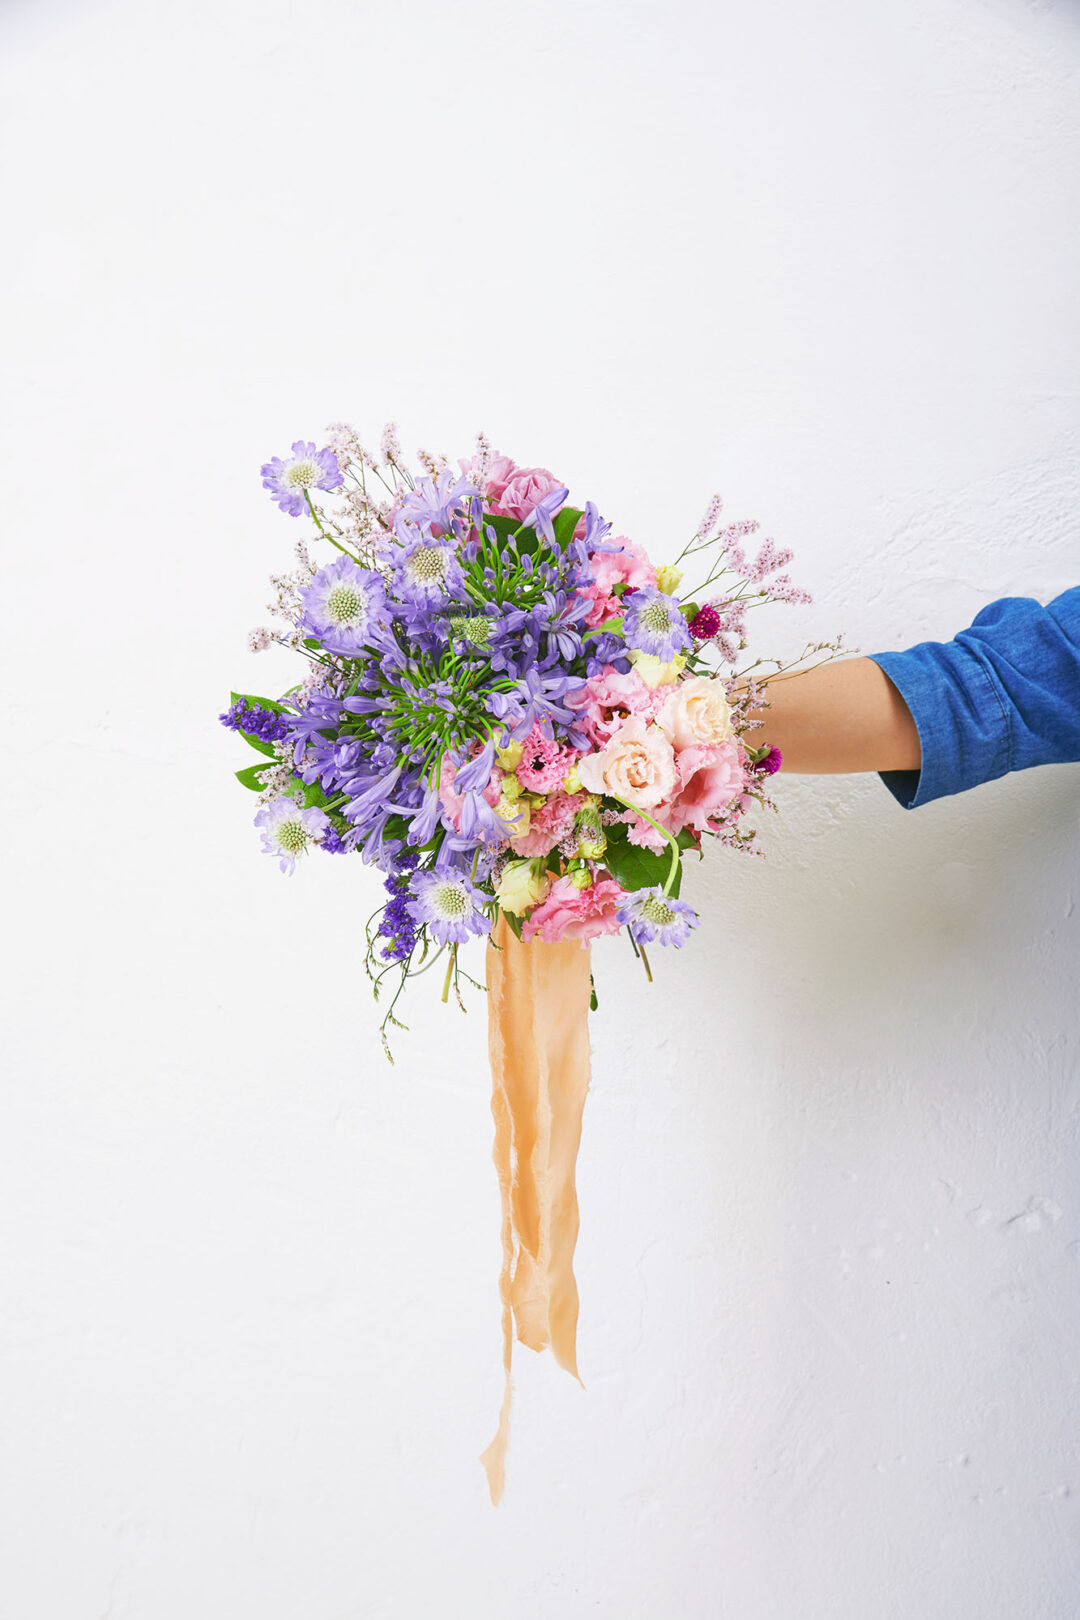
x=840, y=717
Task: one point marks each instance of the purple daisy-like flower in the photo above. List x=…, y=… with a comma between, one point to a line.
x=288, y=830
x=343, y=606
x=651, y=914
x=654, y=624
x=426, y=570
x=450, y=905
x=307, y=468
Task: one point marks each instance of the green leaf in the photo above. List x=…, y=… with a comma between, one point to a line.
x=313, y=794
x=565, y=524
x=593, y=1002
x=504, y=526
x=515, y=922
x=258, y=744
x=252, y=777
x=638, y=868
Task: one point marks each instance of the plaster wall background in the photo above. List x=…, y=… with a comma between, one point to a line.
x=822, y=258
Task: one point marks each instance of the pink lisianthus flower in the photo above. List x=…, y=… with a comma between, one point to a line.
x=643, y=833
x=630, y=566
x=581, y=914
x=513, y=491
x=452, y=801
x=609, y=699
x=548, y=825
x=708, y=779
x=544, y=762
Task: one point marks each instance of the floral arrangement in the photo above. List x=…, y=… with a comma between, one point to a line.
x=508, y=708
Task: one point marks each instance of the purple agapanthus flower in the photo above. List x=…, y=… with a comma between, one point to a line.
x=307, y=468
x=654, y=623
x=542, y=515
x=652, y=914
x=450, y=905
x=440, y=503
x=343, y=606
x=288, y=830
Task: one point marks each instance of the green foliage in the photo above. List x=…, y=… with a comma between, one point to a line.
x=565, y=524
x=252, y=777
x=635, y=867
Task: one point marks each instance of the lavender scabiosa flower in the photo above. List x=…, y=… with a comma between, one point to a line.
x=342, y=606
x=289, y=830
x=307, y=468
x=654, y=624
x=450, y=906
x=651, y=914
x=425, y=569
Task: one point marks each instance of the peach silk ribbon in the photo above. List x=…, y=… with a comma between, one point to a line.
x=538, y=1036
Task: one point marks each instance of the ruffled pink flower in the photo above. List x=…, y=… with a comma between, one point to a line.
x=637, y=766
x=452, y=801
x=708, y=779
x=544, y=762
x=630, y=566
x=548, y=826
x=570, y=913
x=514, y=491
x=643, y=833
x=609, y=699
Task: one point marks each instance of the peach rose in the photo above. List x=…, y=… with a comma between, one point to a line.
x=697, y=714
x=637, y=766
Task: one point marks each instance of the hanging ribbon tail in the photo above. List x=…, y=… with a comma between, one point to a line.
x=538, y=1038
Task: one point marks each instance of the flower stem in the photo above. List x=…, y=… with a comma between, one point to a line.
x=675, y=850
x=449, y=973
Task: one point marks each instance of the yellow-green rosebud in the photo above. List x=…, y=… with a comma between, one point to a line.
x=522, y=885
x=579, y=875
x=510, y=787
x=653, y=672
x=668, y=578
x=572, y=781
x=510, y=756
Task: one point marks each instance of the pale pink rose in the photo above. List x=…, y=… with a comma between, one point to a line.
x=452, y=801
x=696, y=713
x=515, y=495
x=570, y=913
x=630, y=566
x=609, y=699
x=708, y=780
x=548, y=826
x=637, y=765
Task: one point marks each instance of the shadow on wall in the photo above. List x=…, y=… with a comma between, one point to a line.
x=882, y=932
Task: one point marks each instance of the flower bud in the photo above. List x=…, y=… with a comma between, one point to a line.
x=572, y=781
x=510, y=756
x=579, y=875
x=522, y=885
x=667, y=578
x=510, y=787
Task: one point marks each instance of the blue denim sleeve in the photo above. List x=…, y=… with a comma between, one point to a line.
x=1001, y=696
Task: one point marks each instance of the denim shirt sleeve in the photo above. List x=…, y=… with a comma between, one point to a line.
x=1001, y=696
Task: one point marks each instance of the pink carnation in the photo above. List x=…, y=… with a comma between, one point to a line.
x=452, y=801
x=707, y=780
x=513, y=491
x=544, y=762
x=630, y=566
x=548, y=826
x=569, y=913
x=609, y=699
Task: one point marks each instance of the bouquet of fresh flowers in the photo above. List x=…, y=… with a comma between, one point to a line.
x=509, y=710
x=525, y=724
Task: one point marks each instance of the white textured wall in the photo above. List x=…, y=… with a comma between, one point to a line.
x=823, y=256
